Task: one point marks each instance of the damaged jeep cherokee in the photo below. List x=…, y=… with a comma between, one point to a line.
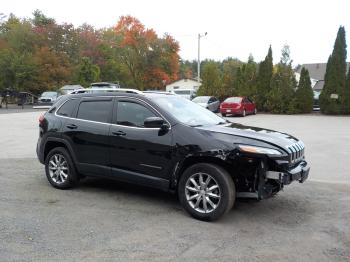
x=164, y=141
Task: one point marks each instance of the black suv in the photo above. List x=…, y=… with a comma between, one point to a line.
x=164, y=141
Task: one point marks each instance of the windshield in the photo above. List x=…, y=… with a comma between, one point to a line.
x=49, y=94
x=201, y=99
x=233, y=100
x=187, y=112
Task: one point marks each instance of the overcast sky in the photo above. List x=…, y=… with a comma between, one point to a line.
x=235, y=28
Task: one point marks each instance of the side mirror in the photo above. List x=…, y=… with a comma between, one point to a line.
x=153, y=122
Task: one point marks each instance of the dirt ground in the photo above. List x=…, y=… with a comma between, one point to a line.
x=104, y=220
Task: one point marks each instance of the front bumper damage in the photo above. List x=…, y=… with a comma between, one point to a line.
x=299, y=173
x=269, y=182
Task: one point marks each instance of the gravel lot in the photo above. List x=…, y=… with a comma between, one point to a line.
x=109, y=221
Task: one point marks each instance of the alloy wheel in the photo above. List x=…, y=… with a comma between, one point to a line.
x=58, y=168
x=202, y=192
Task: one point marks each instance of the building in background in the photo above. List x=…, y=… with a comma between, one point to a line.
x=317, y=72
x=186, y=88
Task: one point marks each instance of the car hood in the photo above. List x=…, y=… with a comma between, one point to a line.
x=260, y=134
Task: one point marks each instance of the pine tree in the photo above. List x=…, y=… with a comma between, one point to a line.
x=346, y=105
x=264, y=80
x=335, y=78
x=246, y=79
x=211, y=80
x=283, y=83
x=303, y=101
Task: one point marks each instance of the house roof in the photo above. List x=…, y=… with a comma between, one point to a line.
x=319, y=85
x=316, y=70
x=183, y=80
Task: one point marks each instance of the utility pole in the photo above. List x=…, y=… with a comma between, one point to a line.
x=199, y=57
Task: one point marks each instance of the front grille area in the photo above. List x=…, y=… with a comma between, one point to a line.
x=296, y=152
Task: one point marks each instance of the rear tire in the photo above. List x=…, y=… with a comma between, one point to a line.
x=224, y=115
x=60, y=170
x=206, y=191
x=255, y=111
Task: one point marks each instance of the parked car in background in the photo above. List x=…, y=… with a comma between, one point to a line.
x=48, y=97
x=237, y=106
x=104, y=85
x=185, y=93
x=209, y=102
x=67, y=89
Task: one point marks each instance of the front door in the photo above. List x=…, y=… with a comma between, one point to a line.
x=139, y=154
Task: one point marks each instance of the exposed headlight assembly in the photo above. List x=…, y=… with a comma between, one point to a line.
x=259, y=150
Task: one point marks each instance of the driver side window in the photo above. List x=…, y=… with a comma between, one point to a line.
x=132, y=114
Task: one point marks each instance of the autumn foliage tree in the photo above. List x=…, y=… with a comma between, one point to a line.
x=151, y=61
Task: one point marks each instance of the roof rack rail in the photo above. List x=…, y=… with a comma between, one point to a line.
x=106, y=90
x=158, y=92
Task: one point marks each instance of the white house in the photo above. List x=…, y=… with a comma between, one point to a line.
x=188, y=84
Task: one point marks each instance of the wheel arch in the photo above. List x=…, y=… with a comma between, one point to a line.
x=192, y=160
x=52, y=143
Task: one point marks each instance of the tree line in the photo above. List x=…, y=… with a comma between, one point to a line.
x=39, y=54
x=274, y=88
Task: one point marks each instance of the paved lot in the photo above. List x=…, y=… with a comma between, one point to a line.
x=110, y=221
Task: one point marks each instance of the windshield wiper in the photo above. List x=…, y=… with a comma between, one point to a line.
x=221, y=123
x=195, y=125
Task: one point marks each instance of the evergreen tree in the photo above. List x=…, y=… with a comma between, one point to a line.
x=283, y=85
x=246, y=79
x=335, y=78
x=264, y=81
x=211, y=80
x=346, y=104
x=88, y=72
x=303, y=101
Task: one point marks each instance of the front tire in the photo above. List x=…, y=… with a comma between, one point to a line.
x=244, y=113
x=223, y=114
x=206, y=191
x=60, y=170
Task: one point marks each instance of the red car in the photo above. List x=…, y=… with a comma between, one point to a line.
x=237, y=106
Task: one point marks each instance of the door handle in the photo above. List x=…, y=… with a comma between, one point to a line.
x=119, y=133
x=72, y=126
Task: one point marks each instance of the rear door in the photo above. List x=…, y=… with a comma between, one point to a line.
x=139, y=154
x=87, y=132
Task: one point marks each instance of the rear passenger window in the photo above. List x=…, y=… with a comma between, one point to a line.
x=132, y=114
x=98, y=111
x=67, y=108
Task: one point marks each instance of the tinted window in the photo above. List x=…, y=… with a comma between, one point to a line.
x=95, y=110
x=132, y=114
x=67, y=108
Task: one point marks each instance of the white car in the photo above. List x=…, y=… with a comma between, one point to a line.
x=185, y=93
x=209, y=102
x=48, y=97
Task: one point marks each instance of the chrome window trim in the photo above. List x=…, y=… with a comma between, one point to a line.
x=128, y=97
